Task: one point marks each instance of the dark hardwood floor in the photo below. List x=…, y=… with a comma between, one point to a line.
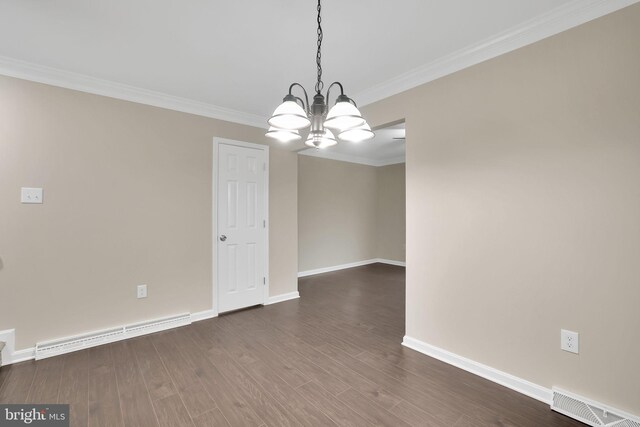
x=331, y=358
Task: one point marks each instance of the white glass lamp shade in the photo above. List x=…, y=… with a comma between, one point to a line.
x=321, y=141
x=344, y=115
x=283, y=135
x=357, y=134
x=289, y=115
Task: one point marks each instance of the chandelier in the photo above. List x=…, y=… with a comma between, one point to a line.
x=342, y=122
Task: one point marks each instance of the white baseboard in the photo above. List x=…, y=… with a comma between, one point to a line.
x=22, y=355
x=520, y=385
x=17, y=356
x=336, y=268
x=203, y=315
x=9, y=339
x=282, y=297
x=391, y=262
x=10, y=355
x=350, y=265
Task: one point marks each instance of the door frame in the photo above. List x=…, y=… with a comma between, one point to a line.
x=214, y=208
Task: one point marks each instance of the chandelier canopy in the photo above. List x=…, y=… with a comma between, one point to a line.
x=295, y=113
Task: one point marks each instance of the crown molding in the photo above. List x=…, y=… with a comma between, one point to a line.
x=56, y=77
x=556, y=21
x=332, y=155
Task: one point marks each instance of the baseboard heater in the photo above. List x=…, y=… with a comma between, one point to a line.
x=79, y=342
x=590, y=412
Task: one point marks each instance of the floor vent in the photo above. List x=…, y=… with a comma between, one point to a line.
x=78, y=342
x=157, y=325
x=589, y=412
x=93, y=339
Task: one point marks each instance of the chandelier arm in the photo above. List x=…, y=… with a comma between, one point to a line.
x=329, y=90
x=306, y=97
x=301, y=102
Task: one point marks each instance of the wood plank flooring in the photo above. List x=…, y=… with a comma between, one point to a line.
x=332, y=357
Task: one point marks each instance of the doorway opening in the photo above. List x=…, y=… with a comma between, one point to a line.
x=351, y=203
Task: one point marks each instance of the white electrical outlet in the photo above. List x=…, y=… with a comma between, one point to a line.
x=142, y=291
x=569, y=341
x=30, y=195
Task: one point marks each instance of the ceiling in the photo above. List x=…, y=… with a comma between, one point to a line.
x=385, y=149
x=242, y=55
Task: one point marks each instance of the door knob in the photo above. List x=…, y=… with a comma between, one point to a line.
x=223, y=238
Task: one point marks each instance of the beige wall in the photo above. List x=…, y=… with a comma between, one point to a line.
x=127, y=192
x=337, y=204
x=523, y=209
x=391, y=212
x=283, y=219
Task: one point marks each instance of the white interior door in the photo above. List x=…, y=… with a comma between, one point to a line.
x=241, y=227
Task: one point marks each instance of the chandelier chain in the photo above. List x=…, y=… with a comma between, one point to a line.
x=296, y=114
x=319, y=83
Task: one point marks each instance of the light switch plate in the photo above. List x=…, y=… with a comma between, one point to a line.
x=31, y=195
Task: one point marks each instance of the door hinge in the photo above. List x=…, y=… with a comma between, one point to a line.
x=264, y=166
x=264, y=223
x=264, y=280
